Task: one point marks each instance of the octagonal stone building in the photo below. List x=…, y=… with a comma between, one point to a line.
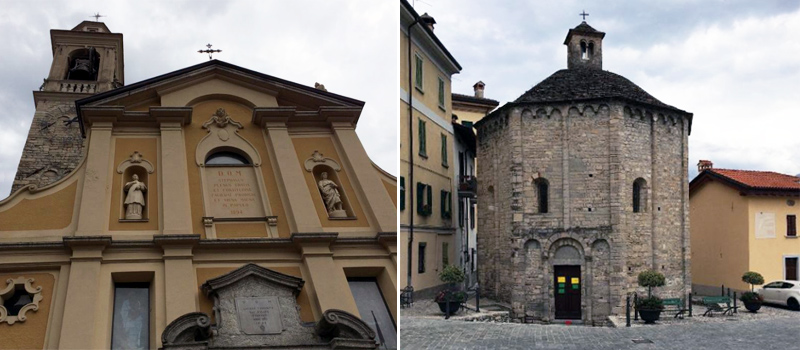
x=583, y=184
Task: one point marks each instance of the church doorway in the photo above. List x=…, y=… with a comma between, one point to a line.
x=567, y=288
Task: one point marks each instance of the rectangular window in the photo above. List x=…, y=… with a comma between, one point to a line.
x=446, y=204
x=373, y=310
x=441, y=93
x=421, y=257
x=791, y=225
x=422, y=141
x=402, y=193
x=444, y=150
x=461, y=214
x=790, y=269
x=445, y=254
x=472, y=261
x=131, y=323
x=424, y=199
x=418, y=72
x=472, y=216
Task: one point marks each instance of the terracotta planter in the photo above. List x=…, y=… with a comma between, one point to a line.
x=650, y=316
x=752, y=306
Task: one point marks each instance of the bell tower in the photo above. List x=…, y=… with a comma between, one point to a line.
x=87, y=60
x=584, y=47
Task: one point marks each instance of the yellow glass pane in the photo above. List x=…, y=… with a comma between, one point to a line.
x=562, y=279
x=575, y=280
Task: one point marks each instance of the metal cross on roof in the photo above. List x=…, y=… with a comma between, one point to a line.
x=209, y=51
x=583, y=14
x=97, y=16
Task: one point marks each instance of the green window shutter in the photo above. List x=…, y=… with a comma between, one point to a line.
x=418, y=76
x=441, y=93
x=420, y=198
x=445, y=254
x=443, y=197
x=402, y=193
x=449, y=204
x=422, y=141
x=430, y=200
x=444, y=150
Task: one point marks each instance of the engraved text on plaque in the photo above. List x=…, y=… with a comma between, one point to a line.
x=259, y=315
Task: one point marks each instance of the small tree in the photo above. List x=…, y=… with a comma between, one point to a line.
x=751, y=278
x=452, y=275
x=650, y=279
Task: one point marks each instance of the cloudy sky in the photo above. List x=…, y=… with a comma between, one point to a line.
x=349, y=46
x=735, y=64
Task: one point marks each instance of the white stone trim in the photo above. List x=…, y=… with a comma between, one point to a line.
x=422, y=108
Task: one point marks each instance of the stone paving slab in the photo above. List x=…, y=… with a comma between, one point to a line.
x=770, y=333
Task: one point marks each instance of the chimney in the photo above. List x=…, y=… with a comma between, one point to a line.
x=427, y=20
x=479, y=87
x=704, y=165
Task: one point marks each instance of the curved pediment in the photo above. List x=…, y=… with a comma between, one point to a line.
x=289, y=282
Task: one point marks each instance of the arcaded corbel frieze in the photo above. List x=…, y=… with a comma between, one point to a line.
x=318, y=159
x=9, y=291
x=136, y=158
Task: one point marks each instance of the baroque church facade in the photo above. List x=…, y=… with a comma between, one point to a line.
x=209, y=207
x=583, y=185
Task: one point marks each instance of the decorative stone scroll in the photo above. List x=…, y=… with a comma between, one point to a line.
x=136, y=158
x=256, y=308
x=35, y=295
x=223, y=133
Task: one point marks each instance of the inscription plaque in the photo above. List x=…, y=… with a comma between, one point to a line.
x=259, y=315
x=233, y=192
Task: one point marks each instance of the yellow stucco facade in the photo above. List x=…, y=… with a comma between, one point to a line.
x=77, y=240
x=724, y=238
x=425, y=118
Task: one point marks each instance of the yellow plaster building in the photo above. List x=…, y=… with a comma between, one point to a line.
x=186, y=177
x=427, y=180
x=742, y=221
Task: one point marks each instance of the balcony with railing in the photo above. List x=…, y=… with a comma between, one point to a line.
x=467, y=186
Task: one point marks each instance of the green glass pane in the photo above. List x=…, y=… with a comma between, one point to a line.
x=561, y=291
x=575, y=286
x=561, y=285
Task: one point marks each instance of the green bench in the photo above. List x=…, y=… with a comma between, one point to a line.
x=718, y=304
x=675, y=305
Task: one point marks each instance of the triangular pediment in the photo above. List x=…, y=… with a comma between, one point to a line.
x=183, y=87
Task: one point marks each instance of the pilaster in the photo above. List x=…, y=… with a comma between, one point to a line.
x=179, y=274
x=95, y=197
x=80, y=309
x=329, y=280
x=175, y=194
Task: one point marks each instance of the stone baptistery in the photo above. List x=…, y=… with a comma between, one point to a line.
x=583, y=184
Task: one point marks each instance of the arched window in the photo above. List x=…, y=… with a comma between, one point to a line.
x=543, y=193
x=584, y=53
x=639, y=195
x=83, y=64
x=590, y=51
x=226, y=158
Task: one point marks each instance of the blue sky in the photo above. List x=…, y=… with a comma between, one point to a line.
x=349, y=46
x=734, y=64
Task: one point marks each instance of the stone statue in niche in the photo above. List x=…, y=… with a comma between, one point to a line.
x=331, y=196
x=134, y=198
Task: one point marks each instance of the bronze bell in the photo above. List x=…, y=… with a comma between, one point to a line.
x=83, y=68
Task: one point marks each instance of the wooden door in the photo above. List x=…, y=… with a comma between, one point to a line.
x=567, y=289
x=791, y=268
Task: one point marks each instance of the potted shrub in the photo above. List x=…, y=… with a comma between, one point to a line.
x=450, y=297
x=650, y=308
x=752, y=300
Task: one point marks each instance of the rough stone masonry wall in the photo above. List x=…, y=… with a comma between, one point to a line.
x=607, y=147
x=54, y=146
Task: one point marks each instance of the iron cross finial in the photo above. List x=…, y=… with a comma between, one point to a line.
x=209, y=51
x=583, y=14
x=97, y=16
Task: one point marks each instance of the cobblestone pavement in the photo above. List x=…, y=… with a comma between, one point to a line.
x=428, y=333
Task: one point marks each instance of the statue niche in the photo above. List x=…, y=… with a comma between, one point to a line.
x=324, y=170
x=134, y=180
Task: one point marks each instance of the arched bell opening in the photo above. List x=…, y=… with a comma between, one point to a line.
x=83, y=64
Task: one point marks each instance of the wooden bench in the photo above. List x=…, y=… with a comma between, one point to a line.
x=674, y=305
x=718, y=304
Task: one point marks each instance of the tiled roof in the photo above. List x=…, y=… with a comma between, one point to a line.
x=473, y=99
x=760, y=179
x=588, y=84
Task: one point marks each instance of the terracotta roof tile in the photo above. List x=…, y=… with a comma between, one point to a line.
x=760, y=179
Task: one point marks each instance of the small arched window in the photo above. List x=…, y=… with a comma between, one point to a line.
x=590, y=51
x=543, y=194
x=639, y=195
x=226, y=158
x=584, y=52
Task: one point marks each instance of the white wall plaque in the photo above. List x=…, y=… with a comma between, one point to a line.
x=259, y=315
x=765, y=225
x=233, y=192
